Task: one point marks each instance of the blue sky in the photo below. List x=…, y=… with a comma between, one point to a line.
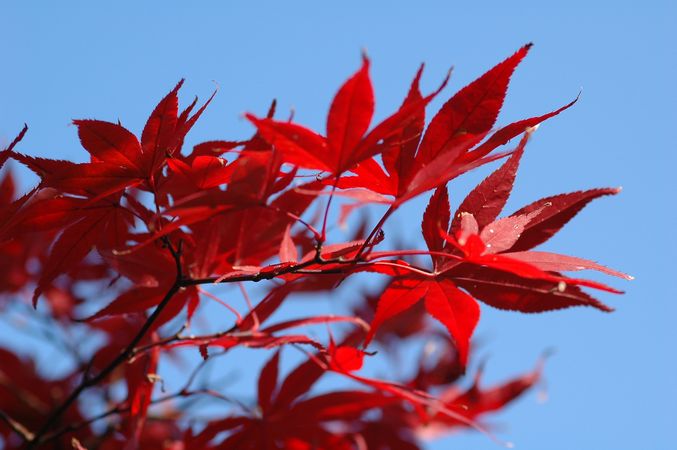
x=611, y=383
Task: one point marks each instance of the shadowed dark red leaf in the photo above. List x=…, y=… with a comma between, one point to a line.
x=436, y=217
x=556, y=211
x=505, y=290
x=486, y=201
x=297, y=383
x=268, y=381
x=7, y=152
x=554, y=262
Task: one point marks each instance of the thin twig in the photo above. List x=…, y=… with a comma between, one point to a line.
x=379, y=225
x=19, y=429
x=184, y=392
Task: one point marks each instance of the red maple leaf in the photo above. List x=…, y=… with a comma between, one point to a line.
x=480, y=260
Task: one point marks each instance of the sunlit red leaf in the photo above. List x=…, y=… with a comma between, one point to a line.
x=298, y=145
x=349, y=116
x=400, y=295
x=110, y=142
x=288, y=252
x=503, y=135
x=346, y=359
x=158, y=137
x=457, y=311
x=471, y=112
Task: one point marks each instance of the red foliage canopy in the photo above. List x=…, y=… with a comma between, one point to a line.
x=151, y=227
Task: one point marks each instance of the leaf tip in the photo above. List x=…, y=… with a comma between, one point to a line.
x=252, y=118
x=419, y=72
x=204, y=352
x=521, y=53
x=365, y=58
x=178, y=86
x=36, y=296
x=271, y=109
x=549, y=352
x=532, y=130
x=17, y=139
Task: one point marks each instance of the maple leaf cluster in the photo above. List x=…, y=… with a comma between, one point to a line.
x=129, y=246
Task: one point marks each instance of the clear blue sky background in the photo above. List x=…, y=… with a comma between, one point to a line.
x=613, y=382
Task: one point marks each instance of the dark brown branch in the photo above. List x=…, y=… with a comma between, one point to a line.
x=180, y=281
x=93, y=381
x=88, y=382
